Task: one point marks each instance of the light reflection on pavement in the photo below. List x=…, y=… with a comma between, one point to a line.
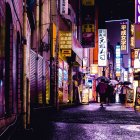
x=131, y=127
x=90, y=122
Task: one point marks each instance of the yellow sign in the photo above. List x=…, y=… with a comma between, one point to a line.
x=118, y=74
x=88, y=28
x=88, y=2
x=53, y=39
x=66, y=52
x=94, y=69
x=65, y=41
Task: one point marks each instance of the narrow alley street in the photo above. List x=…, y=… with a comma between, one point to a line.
x=85, y=122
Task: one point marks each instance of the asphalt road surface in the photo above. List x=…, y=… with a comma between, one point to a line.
x=85, y=122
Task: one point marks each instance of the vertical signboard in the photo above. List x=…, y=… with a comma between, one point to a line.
x=132, y=39
x=137, y=36
x=125, y=75
x=137, y=11
x=53, y=39
x=118, y=60
x=132, y=57
x=124, y=26
x=88, y=27
x=136, y=58
x=63, y=7
x=102, y=47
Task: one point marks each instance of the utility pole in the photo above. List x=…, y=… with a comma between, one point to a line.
x=103, y=72
x=57, y=57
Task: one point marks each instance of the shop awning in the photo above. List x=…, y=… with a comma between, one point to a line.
x=77, y=48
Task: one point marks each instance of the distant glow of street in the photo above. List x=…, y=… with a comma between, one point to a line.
x=131, y=127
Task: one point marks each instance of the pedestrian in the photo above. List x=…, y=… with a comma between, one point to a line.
x=123, y=94
x=101, y=89
x=109, y=93
x=80, y=88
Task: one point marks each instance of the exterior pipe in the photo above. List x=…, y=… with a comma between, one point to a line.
x=24, y=65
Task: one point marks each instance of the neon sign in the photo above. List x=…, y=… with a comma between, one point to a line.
x=118, y=60
x=123, y=37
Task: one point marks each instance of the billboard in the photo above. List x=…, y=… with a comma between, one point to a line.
x=102, y=47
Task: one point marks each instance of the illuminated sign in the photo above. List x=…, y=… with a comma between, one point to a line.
x=137, y=11
x=137, y=35
x=132, y=39
x=53, y=39
x=132, y=57
x=125, y=75
x=85, y=62
x=88, y=2
x=102, y=47
x=94, y=69
x=136, y=58
x=66, y=52
x=118, y=60
x=65, y=41
x=63, y=7
x=123, y=36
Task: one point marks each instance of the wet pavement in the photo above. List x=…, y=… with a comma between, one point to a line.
x=85, y=122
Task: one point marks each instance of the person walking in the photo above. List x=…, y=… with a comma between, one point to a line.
x=101, y=89
x=123, y=94
x=109, y=93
